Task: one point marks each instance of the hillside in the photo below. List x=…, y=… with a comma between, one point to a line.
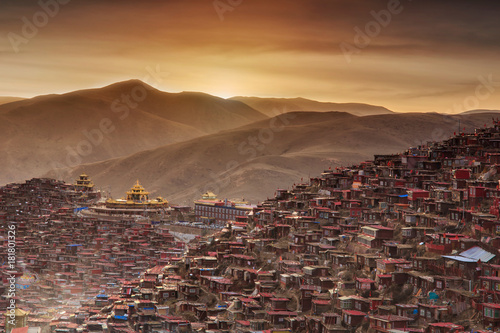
x=93, y=125
x=481, y=111
x=9, y=99
x=272, y=106
x=288, y=148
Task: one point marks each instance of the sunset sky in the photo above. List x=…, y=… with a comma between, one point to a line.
x=422, y=56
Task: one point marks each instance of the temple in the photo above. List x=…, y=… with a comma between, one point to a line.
x=137, y=202
x=84, y=183
x=84, y=188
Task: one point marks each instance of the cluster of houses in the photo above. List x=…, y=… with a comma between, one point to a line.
x=64, y=258
x=406, y=242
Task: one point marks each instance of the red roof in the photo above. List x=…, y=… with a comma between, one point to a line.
x=492, y=305
x=380, y=227
x=362, y=280
x=321, y=301
x=384, y=275
x=447, y=325
x=282, y=313
x=20, y=330
x=354, y=313
x=390, y=318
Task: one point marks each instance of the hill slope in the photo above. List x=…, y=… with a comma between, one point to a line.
x=480, y=111
x=98, y=124
x=253, y=160
x=270, y=106
x=9, y=99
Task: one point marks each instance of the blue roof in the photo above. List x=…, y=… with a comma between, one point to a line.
x=474, y=254
x=460, y=258
x=478, y=253
x=125, y=317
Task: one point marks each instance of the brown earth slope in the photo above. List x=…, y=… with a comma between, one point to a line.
x=9, y=99
x=45, y=132
x=253, y=160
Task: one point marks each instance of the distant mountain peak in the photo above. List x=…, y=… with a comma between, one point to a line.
x=129, y=84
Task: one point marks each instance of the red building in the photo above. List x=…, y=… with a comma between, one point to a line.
x=384, y=324
x=491, y=314
x=211, y=210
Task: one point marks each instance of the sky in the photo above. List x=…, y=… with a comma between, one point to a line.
x=408, y=55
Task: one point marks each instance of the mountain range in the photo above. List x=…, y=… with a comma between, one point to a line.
x=274, y=106
x=181, y=144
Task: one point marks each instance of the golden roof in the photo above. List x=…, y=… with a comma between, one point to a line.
x=18, y=313
x=137, y=189
x=138, y=196
x=84, y=181
x=209, y=196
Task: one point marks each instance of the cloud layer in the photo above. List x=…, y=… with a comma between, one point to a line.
x=405, y=55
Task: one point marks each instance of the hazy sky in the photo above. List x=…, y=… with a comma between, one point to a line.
x=405, y=55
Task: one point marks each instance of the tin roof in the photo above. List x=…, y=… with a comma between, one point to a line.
x=474, y=254
x=460, y=258
x=478, y=253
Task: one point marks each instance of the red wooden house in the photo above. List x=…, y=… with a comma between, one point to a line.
x=444, y=328
x=491, y=314
x=383, y=324
x=353, y=318
x=363, y=284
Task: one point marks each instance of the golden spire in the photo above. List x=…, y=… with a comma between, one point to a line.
x=137, y=193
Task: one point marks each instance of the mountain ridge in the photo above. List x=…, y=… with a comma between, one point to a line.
x=100, y=123
x=271, y=106
x=231, y=165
